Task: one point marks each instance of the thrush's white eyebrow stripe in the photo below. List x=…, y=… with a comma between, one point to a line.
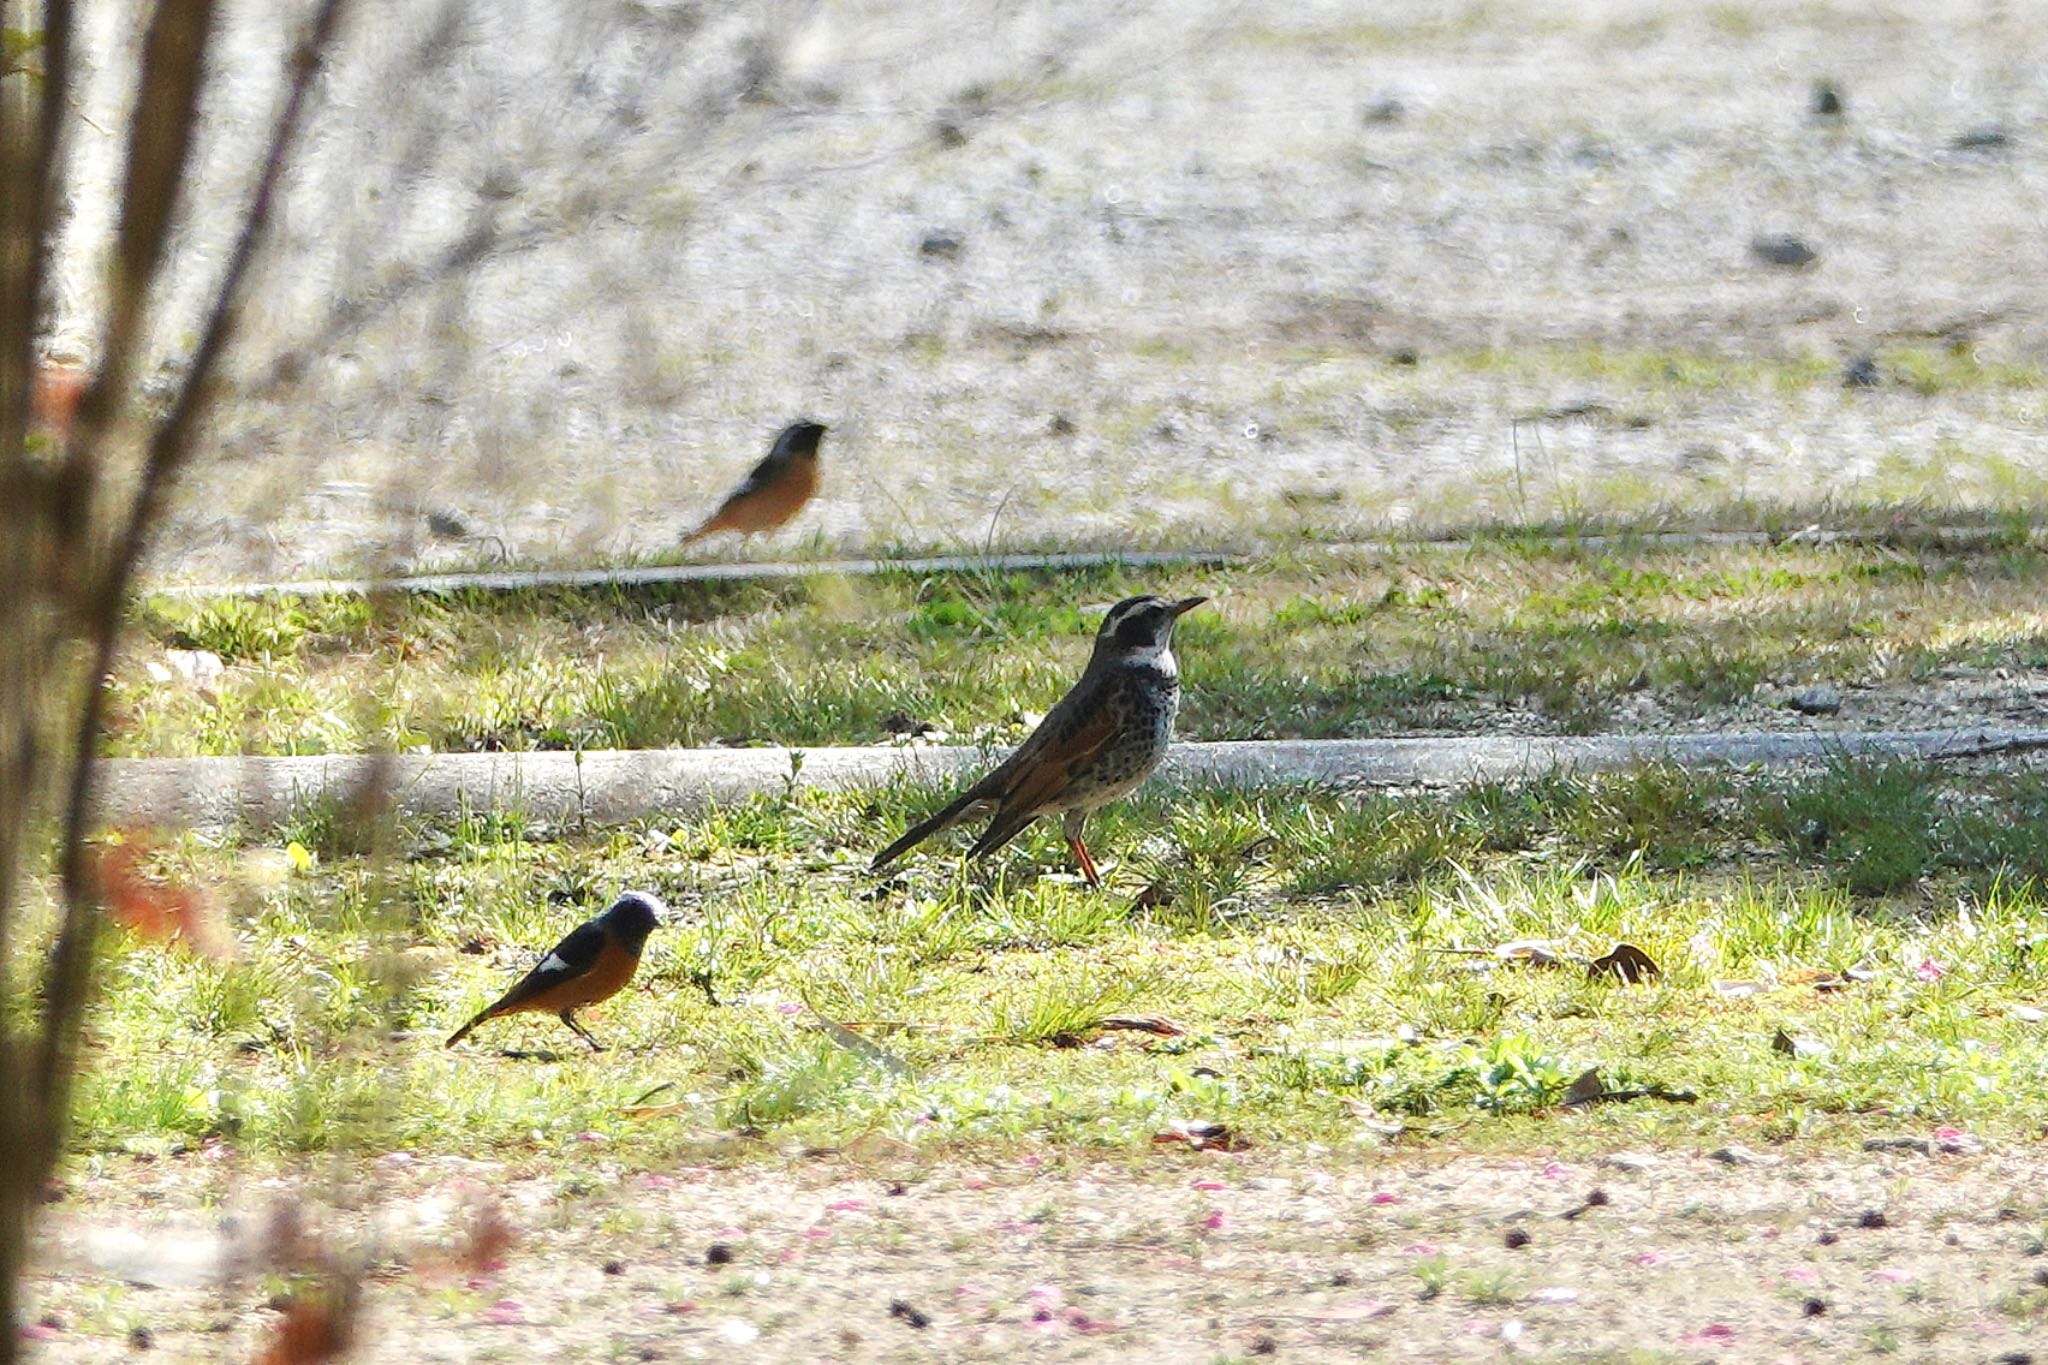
x=553, y=963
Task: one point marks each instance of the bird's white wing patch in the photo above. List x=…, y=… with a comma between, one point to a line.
x=552, y=963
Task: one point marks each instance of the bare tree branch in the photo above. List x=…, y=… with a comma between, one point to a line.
x=160, y=140
x=169, y=448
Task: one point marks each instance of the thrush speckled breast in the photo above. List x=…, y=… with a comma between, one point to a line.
x=1099, y=743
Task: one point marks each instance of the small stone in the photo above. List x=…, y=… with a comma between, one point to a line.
x=1827, y=1239
x=1873, y=1218
x=1814, y=1308
x=900, y=1308
x=1899, y=1144
x=941, y=245
x=1516, y=1239
x=718, y=1253
x=1736, y=1155
x=448, y=525
x=1819, y=700
x=1782, y=249
x=1405, y=356
x=1983, y=138
x=141, y=1339
x=1630, y=1161
x=1383, y=112
x=614, y=1267
x=949, y=134
x=1861, y=373
x=1827, y=100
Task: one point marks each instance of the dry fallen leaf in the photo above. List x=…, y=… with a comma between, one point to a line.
x=154, y=909
x=1202, y=1135
x=315, y=1328
x=1144, y=1023
x=1586, y=1088
x=1531, y=952
x=1626, y=961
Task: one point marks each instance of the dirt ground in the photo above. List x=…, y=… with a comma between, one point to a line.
x=1171, y=272
x=1666, y=1255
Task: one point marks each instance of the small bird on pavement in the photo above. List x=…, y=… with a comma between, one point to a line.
x=775, y=490
x=592, y=964
x=1098, y=744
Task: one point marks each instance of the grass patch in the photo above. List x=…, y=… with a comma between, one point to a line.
x=1330, y=961
x=1310, y=646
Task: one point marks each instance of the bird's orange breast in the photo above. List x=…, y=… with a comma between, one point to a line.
x=782, y=498
x=606, y=978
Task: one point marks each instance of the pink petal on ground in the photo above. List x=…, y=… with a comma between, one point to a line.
x=1713, y=1334
x=38, y=1331
x=1081, y=1322
x=1948, y=1134
x=846, y=1205
x=1030, y=1163
x=790, y=1008
x=1044, y=1296
x=1650, y=1258
x=1210, y=1185
x=1801, y=1273
x=1555, y=1170
x=817, y=1234
x=1384, y=1198
x=1354, y=1310
x=1891, y=1276
x=658, y=1182
x=728, y=1234
x=1418, y=1249
x=1930, y=970
x=1214, y=1222
x=506, y=1313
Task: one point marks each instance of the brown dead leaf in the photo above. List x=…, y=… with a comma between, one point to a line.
x=155, y=909
x=491, y=1238
x=1157, y=1024
x=1625, y=961
x=1201, y=1135
x=1155, y=896
x=55, y=395
x=1586, y=1088
x=1530, y=952
x=316, y=1328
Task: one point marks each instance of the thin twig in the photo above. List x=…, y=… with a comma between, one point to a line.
x=169, y=447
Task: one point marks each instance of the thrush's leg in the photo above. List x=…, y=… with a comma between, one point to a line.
x=569, y=1017
x=1071, y=825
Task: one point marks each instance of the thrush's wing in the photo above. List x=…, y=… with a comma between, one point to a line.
x=994, y=789
x=574, y=956
x=1072, y=743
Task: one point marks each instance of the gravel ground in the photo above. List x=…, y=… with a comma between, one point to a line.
x=1680, y=1256
x=1163, y=272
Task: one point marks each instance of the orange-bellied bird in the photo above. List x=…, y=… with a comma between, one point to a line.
x=1099, y=743
x=593, y=963
x=775, y=490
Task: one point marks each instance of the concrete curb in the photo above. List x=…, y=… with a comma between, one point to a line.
x=520, y=580
x=614, y=786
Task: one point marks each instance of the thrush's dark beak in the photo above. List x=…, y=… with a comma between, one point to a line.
x=1187, y=604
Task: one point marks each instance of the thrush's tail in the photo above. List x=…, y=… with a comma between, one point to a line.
x=1006, y=826
x=917, y=834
